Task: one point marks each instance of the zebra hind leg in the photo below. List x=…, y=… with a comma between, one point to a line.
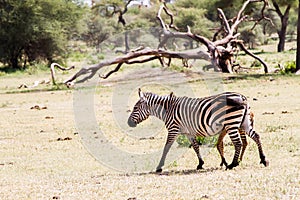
x=195, y=146
x=236, y=140
x=244, y=141
x=248, y=127
x=262, y=156
x=220, y=147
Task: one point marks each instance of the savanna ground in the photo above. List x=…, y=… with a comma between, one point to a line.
x=42, y=155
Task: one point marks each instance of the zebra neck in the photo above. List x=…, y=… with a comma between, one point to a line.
x=159, y=112
x=159, y=106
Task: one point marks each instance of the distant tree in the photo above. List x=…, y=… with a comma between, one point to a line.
x=36, y=30
x=228, y=7
x=188, y=14
x=298, y=41
x=99, y=29
x=282, y=8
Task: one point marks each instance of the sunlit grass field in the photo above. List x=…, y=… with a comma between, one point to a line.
x=43, y=154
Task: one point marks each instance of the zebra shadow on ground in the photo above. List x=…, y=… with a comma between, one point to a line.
x=180, y=172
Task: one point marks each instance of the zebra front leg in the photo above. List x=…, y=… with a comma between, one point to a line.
x=195, y=146
x=170, y=141
x=236, y=140
x=220, y=147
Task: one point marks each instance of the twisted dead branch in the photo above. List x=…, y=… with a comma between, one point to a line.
x=219, y=51
x=47, y=81
x=52, y=69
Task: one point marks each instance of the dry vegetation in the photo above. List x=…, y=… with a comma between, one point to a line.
x=42, y=155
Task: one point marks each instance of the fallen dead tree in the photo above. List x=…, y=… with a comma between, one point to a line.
x=220, y=52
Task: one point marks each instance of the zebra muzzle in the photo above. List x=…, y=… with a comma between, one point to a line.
x=131, y=123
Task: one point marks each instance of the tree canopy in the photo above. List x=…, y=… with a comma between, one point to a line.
x=36, y=29
x=33, y=30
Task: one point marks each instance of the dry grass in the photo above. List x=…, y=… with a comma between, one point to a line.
x=42, y=156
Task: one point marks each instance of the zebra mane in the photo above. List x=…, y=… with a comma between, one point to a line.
x=150, y=94
x=159, y=98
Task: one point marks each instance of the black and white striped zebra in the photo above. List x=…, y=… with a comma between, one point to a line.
x=226, y=113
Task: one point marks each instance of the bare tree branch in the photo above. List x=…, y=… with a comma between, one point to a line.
x=129, y=63
x=219, y=52
x=262, y=16
x=91, y=70
x=225, y=21
x=240, y=43
x=53, y=65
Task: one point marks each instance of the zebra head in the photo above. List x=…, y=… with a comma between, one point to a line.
x=141, y=111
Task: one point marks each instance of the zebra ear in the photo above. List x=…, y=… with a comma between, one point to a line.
x=141, y=94
x=172, y=95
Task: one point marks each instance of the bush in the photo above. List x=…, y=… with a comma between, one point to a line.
x=256, y=64
x=183, y=141
x=289, y=67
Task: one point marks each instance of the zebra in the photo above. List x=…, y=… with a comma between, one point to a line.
x=225, y=113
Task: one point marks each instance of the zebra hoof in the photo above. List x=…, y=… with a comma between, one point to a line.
x=158, y=170
x=224, y=163
x=201, y=162
x=265, y=162
x=232, y=165
x=199, y=167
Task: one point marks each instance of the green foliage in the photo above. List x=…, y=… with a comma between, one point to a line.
x=99, y=29
x=2, y=73
x=189, y=4
x=138, y=23
x=177, y=67
x=150, y=16
x=36, y=30
x=289, y=68
x=229, y=7
x=286, y=2
x=210, y=141
x=293, y=20
x=37, y=67
x=195, y=19
x=183, y=141
x=274, y=128
x=256, y=63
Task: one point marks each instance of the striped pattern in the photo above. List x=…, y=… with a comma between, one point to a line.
x=226, y=113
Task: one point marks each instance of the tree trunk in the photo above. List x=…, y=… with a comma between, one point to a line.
x=282, y=34
x=14, y=62
x=284, y=18
x=126, y=42
x=298, y=41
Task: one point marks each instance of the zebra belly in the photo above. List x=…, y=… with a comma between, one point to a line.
x=211, y=125
x=210, y=130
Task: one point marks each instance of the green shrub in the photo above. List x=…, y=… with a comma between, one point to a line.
x=256, y=63
x=2, y=73
x=183, y=141
x=289, y=67
x=210, y=141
